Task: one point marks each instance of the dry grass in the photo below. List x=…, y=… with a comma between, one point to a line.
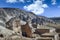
x=53, y=25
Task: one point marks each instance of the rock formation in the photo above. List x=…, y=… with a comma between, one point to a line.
x=16, y=24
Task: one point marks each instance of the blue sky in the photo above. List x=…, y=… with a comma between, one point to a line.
x=49, y=8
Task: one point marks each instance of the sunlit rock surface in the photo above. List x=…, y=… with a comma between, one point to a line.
x=16, y=24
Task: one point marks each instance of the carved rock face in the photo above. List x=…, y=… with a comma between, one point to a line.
x=16, y=26
x=26, y=30
x=41, y=31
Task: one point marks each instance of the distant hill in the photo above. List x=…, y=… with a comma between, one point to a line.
x=56, y=19
x=7, y=13
x=24, y=15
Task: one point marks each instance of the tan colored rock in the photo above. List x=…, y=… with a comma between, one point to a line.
x=26, y=29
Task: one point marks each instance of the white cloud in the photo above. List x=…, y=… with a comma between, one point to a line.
x=37, y=7
x=22, y=1
x=14, y=1
x=11, y=1
x=53, y=2
x=28, y=0
x=44, y=6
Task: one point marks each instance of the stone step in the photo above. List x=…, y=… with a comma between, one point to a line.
x=44, y=38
